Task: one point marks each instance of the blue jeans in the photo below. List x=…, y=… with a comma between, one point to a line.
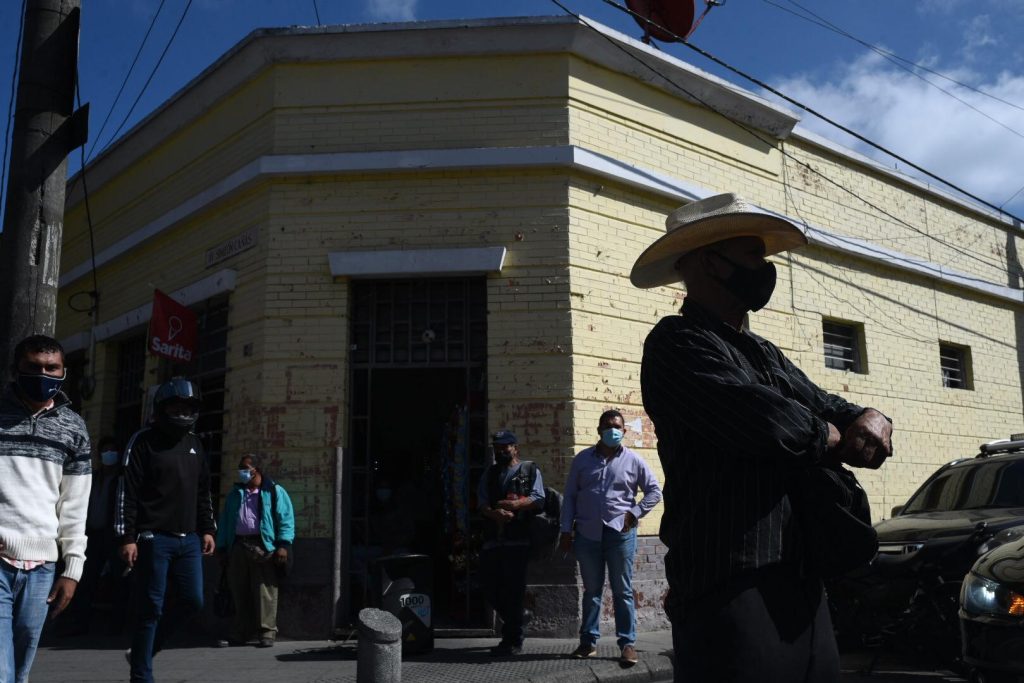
x=616, y=550
x=163, y=557
x=23, y=611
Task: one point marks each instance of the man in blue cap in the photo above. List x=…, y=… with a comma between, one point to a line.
x=510, y=493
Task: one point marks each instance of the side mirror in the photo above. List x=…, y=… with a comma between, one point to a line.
x=896, y=510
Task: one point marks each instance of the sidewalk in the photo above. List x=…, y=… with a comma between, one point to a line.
x=91, y=659
x=454, y=660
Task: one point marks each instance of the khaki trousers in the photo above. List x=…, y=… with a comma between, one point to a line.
x=254, y=591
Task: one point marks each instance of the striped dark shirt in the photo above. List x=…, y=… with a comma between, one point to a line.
x=734, y=418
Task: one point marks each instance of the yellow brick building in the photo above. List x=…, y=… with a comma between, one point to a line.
x=402, y=237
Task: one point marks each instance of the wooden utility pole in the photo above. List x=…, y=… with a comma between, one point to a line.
x=46, y=129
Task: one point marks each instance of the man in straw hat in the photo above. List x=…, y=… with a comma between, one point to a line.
x=735, y=418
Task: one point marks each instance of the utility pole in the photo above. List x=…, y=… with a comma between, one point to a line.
x=46, y=129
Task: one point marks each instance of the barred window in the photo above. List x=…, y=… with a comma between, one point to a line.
x=955, y=366
x=843, y=346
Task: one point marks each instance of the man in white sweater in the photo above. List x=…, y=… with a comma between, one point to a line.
x=44, y=497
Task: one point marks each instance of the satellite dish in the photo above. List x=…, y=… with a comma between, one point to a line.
x=655, y=16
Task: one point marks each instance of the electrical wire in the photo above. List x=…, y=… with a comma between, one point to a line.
x=124, y=82
x=153, y=72
x=826, y=24
x=905, y=68
x=316, y=11
x=817, y=114
x=10, y=110
x=783, y=151
x=95, y=308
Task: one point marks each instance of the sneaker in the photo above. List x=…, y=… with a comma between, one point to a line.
x=504, y=649
x=128, y=656
x=629, y=655
x=584, y=651
x=265, y=642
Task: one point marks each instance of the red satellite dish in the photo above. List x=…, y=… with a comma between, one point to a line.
x=655, y=16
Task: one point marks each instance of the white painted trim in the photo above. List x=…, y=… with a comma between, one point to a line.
x=200, y=290
x=76, y=342
x=421, y=262
x=560, y=156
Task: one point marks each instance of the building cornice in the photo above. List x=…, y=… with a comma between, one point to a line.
x=569, y=157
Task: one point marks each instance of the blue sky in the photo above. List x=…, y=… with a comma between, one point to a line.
x=975, y=139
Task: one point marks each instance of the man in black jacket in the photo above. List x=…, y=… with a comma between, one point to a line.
x=509, y=494
x=738, y=426
x=164, y=518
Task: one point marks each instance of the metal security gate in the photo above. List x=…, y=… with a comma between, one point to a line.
x=418, y=437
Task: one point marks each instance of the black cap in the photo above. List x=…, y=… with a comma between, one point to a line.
x=503, y=437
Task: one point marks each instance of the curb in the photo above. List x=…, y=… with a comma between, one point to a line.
x=647, y=670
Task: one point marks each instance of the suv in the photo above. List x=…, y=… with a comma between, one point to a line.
x=927, y=548
x=987, y=488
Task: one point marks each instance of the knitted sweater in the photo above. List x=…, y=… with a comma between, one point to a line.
x=45, y=479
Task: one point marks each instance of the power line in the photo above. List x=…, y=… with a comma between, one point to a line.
x=820, y=21
x=10, y=109
x=316, y=10
x=124, y=82
x=819, y=115
x=826, y=24
x=153, y=72
x=782, y=150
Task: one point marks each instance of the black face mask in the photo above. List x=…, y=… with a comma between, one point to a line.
x=39, y=388
x=502, y=459
x=752, y=286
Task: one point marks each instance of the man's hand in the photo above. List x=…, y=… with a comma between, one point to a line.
x=60, y=596
x=506, y=504
x=129, y=553
x=209, y=544
x=629, y=522
x=565, y=543
x=867, y=442
x=281, y=556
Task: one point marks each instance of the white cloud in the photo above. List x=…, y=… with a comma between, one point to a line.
x=903, y=113
x=392, y=10
x=977, y=36
x=938, y=6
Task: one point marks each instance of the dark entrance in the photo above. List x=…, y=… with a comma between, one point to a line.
x=418, y=441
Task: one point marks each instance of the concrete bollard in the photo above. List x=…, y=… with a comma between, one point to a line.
x=380, y=647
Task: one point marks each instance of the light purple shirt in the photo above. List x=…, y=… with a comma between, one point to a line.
x=248, y=522
x=599, y=492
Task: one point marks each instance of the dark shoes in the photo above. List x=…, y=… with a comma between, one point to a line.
x=229, y=642
x=584, y=651
x=629, y=655
x=504, y=649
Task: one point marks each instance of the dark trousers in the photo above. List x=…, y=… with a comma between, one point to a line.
x=503, y=574
x=161, y=559
x=253, y=584
x=771, y=626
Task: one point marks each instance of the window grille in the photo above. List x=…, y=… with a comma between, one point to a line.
x=953, y=363
x=842, y=347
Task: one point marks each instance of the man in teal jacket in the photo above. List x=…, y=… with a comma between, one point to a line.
x=254, y=536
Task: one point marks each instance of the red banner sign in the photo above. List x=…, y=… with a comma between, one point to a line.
x=173, y=329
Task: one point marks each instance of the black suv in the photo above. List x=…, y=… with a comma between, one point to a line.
x=907, y=598
x=988, y=488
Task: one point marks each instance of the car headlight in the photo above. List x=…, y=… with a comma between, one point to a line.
x=981, y=596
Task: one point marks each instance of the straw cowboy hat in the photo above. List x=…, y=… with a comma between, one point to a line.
x=705, y=222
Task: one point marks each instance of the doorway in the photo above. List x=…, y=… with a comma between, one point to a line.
x=418, y=446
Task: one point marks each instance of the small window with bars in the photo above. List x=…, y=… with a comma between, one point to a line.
x=843, y=346
x=954, y=362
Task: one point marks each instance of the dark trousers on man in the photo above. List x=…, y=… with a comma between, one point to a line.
x=163, y=558
x=770, y=626
x=503, y=574
x=253, y=581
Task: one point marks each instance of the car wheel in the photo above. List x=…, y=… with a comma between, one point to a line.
x=983, y=676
